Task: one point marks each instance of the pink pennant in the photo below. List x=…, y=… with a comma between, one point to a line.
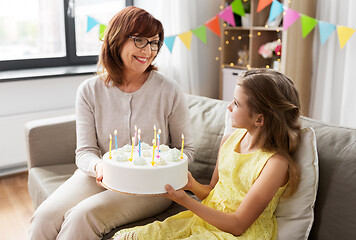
x=289, y=18
x=228, y=16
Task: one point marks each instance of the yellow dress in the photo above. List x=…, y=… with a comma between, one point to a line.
x=237, y=173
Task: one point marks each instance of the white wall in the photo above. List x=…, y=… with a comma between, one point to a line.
x=22, y=101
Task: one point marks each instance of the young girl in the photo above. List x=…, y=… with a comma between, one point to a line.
x=253, y=169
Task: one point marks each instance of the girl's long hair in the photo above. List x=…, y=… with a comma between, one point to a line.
x=274, y=95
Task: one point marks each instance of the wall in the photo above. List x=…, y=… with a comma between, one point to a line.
x=23, y=101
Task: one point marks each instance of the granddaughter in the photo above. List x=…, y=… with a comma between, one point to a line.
x=253, y=170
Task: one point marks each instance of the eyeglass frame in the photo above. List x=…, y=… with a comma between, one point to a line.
x=160, y=43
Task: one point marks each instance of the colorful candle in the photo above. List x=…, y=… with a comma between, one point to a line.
x=181, y=153
x=153, y=151
x=139, y=142
x=135, y=135
x=115, y=132
x=155, y=136
x=132, y=149
x=110, y=146
x=158, y=140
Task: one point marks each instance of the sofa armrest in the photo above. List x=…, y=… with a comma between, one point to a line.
x=51, y=141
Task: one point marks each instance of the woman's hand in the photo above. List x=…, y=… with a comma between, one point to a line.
x=99, y=174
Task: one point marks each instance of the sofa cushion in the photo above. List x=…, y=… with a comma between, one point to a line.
x=335, y=207
x=207, y=124
x=295, y=215
x=44, y=180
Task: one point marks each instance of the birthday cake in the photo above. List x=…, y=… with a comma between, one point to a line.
x=144, y=171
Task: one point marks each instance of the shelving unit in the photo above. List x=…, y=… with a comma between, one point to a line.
x=248, y=39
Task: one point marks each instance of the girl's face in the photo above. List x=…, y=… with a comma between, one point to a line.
x=241, y=116
x=136, y=60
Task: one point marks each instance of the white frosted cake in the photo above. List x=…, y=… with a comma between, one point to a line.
x=139, y=176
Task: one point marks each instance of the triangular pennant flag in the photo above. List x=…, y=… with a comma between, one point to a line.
x=325, y=30
x=308, y=23
x=228, y=16
x=344, y=34
x=102, y=31
x=289, y=18
x=238, y=8
x=91, y=22
x=200, y=32
x=169, y=41
x=213, y=25
x=276, y=10
x=262, y=4
x=186, y=38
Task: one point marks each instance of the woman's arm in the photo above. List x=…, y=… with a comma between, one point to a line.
x=87, y=152
x=273, y=176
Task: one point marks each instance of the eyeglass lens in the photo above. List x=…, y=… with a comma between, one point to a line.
x=141, y=42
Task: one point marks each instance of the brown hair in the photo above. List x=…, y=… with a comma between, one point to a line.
x=274, y=95
x=130, y=20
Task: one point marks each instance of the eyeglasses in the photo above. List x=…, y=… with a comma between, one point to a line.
x=141, y=42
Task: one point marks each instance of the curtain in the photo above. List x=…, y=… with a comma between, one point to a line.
x=333, y=97
x=196, y=70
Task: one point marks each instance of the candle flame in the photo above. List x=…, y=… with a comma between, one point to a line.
x=135, y=128
x=154, y=127
x=115, y=132
x=159, y=131
x=153, y=142
x=182, y=136
x=110, y=136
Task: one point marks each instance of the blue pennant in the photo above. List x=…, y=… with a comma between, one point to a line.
x=91, y=22
x=169, y=41
x=276, y=10
x=325, y=30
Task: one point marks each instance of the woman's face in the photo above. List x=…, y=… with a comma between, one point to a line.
x=136, y=60
x=241, y=116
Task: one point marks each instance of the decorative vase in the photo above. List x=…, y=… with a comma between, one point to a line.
x=276, y=65
x=246, y=20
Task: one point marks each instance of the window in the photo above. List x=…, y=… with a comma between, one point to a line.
x=42, y=33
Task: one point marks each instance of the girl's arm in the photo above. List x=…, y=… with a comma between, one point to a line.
x=273, y=176
x=200, y=190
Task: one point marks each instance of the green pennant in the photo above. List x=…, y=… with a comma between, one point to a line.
x=308, y=23
x=238, y=8
x=200, y=32
x=102, y=31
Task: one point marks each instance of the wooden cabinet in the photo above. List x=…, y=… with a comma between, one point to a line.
x=240, y=44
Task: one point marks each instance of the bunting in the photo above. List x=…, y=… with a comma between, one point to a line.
x=290, y=17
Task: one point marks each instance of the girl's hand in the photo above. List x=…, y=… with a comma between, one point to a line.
x=189, y=185
x=99, y=174
x=178, y=196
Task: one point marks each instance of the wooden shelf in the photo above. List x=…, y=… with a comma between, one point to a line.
x=240, y=44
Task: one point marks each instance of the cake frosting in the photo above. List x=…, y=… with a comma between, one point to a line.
x=141, y=176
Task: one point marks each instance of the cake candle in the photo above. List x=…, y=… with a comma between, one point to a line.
x=181, y=153
x=153, y=152
x=155, y=136
x=132, y=149
x=139, y=142
x=110, y=146
x=135, y=135
x=115, y=132
x=158, y=141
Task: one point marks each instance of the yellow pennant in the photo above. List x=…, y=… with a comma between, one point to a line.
x=186, y=38
x=344, y=34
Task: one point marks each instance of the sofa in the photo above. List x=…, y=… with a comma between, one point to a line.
x=51, y=147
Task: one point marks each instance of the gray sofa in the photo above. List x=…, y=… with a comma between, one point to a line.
x=51, y=162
